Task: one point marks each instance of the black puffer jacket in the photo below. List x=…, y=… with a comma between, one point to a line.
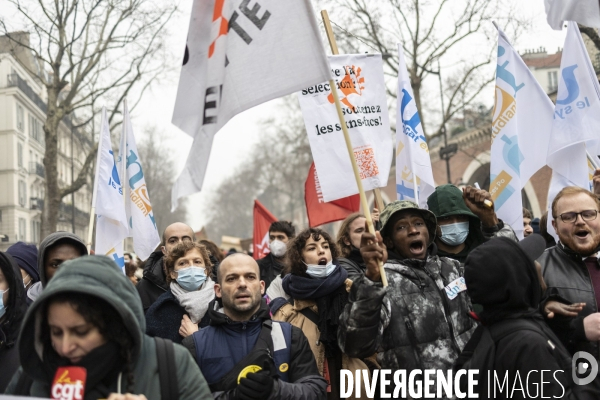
x=154, y=283
x=10, y=322
x=270, y=267
x=412, y=324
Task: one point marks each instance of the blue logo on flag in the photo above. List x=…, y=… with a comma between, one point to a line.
x=410, y=125
x=568, y=75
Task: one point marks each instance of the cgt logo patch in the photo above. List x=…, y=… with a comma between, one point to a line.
x=69, y=383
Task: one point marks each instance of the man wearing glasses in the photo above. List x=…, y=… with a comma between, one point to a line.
x=572, y=272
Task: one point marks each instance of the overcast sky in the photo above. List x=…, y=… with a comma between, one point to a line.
x=236, y=138
x=233, y=142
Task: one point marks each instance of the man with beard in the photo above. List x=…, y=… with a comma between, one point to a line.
x=572, y=272
x=245, y=355
x=419, y=321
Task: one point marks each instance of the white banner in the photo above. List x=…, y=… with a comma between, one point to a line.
x=413, y=163
x=111, y=223
x=361, y=89
x=521, y=121
x=142, y=226
x=239, y=55
x=586, y=12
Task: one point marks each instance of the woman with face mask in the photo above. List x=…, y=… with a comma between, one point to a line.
x=84, y=338
x=12, y=310
x=318, y=287
x=182, y=309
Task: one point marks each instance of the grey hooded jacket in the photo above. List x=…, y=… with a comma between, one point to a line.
x=413, y=323
x=101, y=277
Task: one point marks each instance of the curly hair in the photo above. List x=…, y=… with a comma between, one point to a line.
x=296, y=246
x=213, y=249
x=344, y=234
x=180, y=250
x=104, y=317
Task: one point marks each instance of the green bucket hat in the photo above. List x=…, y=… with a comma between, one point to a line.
x=400, y=205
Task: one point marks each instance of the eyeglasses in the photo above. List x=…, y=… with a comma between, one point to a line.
x=587, y=215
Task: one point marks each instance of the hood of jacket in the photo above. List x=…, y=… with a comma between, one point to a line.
x=93, y=275
x=154, y=270
x=16, y=305
x=502, y=277
x=51, y=240
x=447, y=200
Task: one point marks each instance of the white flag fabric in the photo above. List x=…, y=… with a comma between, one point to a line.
x=237, y=56
x=576, y=119
x=586, y=12
x=361, y=89
x=111, y=222
x=138, y=208
x=521, y=121
x=412, y=152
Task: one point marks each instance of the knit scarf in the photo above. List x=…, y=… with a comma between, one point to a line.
x=196, y=302
x=330, y=295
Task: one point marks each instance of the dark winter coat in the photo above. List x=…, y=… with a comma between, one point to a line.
x=154, y=282
x=411, y=324
x=101, y=277
x=353, y=264
x=163, y=318
x=269, y=267
x=304, y=379
x=10, y=323
x=447, y=201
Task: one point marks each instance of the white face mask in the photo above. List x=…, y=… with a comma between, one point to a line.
x=320, y=271
x=278, y=248
x=26, y=284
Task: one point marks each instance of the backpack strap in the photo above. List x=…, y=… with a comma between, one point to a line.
x=167, y=371
x=23, y=384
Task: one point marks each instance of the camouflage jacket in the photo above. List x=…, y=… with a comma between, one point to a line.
x=413, y=324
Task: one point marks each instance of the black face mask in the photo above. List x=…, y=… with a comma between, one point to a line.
x=102, y=364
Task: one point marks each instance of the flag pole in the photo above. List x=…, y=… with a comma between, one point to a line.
x=338, y=106
x=593, y=160
x=335, y=51
x=95, y=190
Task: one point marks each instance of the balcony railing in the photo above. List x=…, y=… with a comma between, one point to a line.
x=36, y=169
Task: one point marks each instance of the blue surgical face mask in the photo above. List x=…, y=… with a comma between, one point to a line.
x=320, y=271
x=454, y=234
x=191, y=278
x=2, y=306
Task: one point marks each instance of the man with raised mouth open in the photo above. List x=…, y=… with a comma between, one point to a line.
x=572, y=272
x=429, y=325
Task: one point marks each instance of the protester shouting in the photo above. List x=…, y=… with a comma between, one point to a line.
x=13, y=306
x=179, y=311
x=318, y=287
x=464, y=220
x=154, y=282
x=414, y=323
x=90, y=315
x=572, y=272
x=237, y=352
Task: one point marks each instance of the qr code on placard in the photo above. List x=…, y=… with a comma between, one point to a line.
x=365, y=159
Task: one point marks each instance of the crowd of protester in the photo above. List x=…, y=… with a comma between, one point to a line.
x=194, y=322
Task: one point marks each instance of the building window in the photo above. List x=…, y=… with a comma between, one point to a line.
x=35, y=129
x=20, y=118
x=20, y=155
x=22, y=229
x=552, y=81
x=35, y=231
x=22, y=193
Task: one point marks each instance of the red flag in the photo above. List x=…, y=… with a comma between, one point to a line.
x=262, y=221
x=318, y=211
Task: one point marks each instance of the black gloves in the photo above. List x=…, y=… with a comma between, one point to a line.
x=255, y=386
